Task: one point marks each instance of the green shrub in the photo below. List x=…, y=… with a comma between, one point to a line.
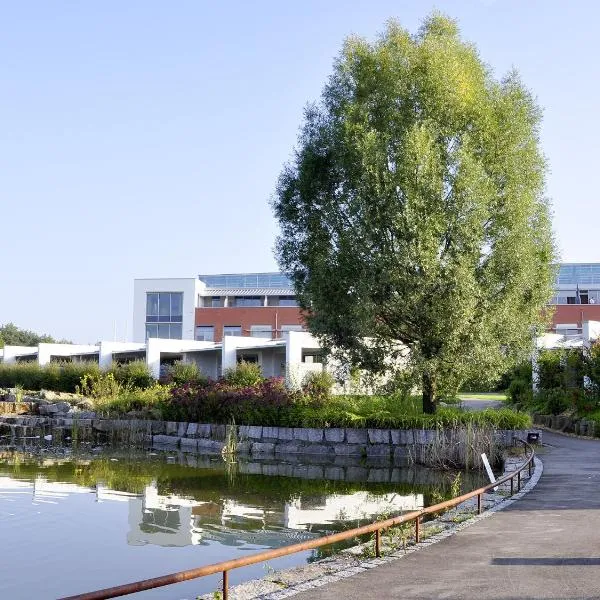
x=133, y=399
x=244, y=374
x=520, y=392
x=58, y=377
x=554, y=401
x=318, y=386
x=135, y=374
x=182, y=372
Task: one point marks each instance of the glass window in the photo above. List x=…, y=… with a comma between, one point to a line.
x=164, y=305
x=263, y=331
x=232, y=330
x=205, y=333
x=151, y=331
x=176, y=306
x=288, y=301
x=247, y=301
x=292, y=328
x=151, y=304
x=215, y=301
x=164, y=332
x=175, y=331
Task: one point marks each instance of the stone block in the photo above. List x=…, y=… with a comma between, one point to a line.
x=334, y=473
x=424, y=436
x=350, y=450
x=301, y=471
x=315, y=472
x=401, y=455
x=218, y=432
x=290, y=448
x=335, y=434
x=272, y=470
x=285, y=433
x=253, y=432
x=263, y=448
x=379, y=436
x=357, y=474
x=378, y=476
x=203, y=430
x=189, y=444
x=270, y=433
x=402, y=437
x=378, y=451
x=318, y=449
x=182, y=429
x=243, y=448
x=171, y=441
x=192, y=430
x=158, y=427
x=210, y=446
x=251, y=468
x=356, y=436
x=171, y=427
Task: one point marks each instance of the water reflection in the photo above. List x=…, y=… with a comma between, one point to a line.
x=114, y=518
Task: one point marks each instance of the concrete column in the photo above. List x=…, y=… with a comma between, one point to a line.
x=153, y=357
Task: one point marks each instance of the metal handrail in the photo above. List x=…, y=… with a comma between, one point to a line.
x=376, y=527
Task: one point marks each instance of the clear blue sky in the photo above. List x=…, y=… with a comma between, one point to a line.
x=144, y=138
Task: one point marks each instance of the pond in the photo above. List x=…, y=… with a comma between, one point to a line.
x=73, y=521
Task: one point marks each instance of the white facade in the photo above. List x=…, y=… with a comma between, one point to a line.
x=190, y=287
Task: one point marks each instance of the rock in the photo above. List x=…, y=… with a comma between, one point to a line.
x=62, y=407
x=85, y=404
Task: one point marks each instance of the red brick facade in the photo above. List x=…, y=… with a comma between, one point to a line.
x=245, y=317
x=575, y=313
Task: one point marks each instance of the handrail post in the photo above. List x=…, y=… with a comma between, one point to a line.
x=512, y=486
x=225, y=585
x=378, y=543
x=519, y=481
x=417, y=532
x=530, y=464
x=478, y=504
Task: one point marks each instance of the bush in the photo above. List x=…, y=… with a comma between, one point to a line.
x=520, y=392
x=318, y=386
x=181, y=373
x=135, y=374
x=58, y=377
x=244, y=374
x=555, y=401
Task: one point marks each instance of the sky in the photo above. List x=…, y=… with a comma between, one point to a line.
x=145, y=138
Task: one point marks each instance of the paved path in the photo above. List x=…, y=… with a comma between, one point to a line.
x=546, y=545
x=476, y=404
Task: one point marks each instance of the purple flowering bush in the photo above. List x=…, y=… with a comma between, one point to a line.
x=220, y=402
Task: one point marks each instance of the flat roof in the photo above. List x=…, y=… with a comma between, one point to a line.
x=246, y=280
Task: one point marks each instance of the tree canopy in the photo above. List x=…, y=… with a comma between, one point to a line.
x=413, y=213
x=11, y=335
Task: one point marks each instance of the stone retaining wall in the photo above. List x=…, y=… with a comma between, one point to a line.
x=394, y=444
x=567, y=424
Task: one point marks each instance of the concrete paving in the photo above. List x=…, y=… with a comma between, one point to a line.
x=477, y=404
x=546, y=545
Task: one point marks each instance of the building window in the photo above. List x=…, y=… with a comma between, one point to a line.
x=164, y=307
x=164, y=314
x=232, y=330
x=205, y=333
x=288, y=301
x=312, y=357
x=215, y=301
x=262, y=331
x=285, y=328
x=247, y=301
x=165, y=331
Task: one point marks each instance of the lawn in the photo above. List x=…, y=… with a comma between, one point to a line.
x=497, y=396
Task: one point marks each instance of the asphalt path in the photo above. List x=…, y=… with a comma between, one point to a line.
x=546, y=545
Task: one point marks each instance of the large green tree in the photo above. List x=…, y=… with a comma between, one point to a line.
x=11, y=335
x=413, y=214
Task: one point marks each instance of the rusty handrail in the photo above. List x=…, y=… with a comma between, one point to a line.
x=376, y=527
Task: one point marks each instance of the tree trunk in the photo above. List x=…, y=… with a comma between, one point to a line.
x=428, y=394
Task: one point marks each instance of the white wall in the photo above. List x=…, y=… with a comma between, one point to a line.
x=47, y=351
x=12, y=352
x=155, y=347
x=190, y=287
